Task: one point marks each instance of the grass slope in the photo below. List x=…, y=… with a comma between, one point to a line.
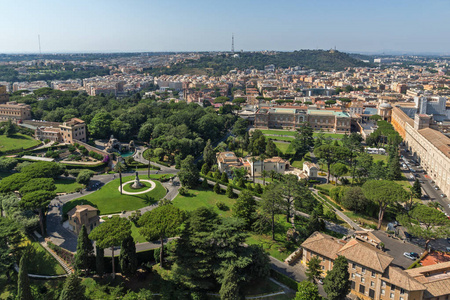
x=17, y=141
x=42, y=263
x=108, y=199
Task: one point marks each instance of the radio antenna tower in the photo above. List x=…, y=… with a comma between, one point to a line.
x=39, y=40
x=232, y=43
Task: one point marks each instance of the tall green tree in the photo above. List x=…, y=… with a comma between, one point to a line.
x=10, y=129
x=84, y=177
x=111, y=233
x=307, y=291
x=245, y=208
x=38, y=200
x=229, y=289
x=328, y=154
x=338, y=170
x=35, y=184
x=271, y=148
x=394, y=172
x=72, y=289
x=10, y=240
x=427, y=223
x=416, y=189
x=271, y=201
x=290, y=190
x=384, y=193
x=337, y=282
x=303, y=139
x=314, y=270
x=128, y=259
x=99, y=261
x=160, y=223
x=84, y=257
x=209, y=156
x=23, y=283
x=189, y=174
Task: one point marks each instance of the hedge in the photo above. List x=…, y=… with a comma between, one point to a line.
x=67, y=256
x=325, y=198
x=143, y=258
x=287, y=281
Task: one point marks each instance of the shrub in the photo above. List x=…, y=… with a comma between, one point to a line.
x=205, y=184
x=217, y=188
x=221, y=205
x=183, y=191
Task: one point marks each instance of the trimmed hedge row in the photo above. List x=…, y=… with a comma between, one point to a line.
x=322, y=196
x=287, y=281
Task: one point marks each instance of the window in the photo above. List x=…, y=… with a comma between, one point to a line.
x=373, y=274
x=372, y=284
x=371, y=293
x=363, y=280
x=353, y=266
x=383, y=292
x=391, y=295
x=402, y=291
x=364, y=270
x=401, y=298
x=352, y=284
x=383, y=283
x=353, y=275
x=362, y=289
x=392, y=287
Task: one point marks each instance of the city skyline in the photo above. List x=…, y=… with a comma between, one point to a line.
x=148, y=26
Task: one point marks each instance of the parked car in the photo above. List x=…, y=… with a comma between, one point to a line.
x=443, y=196
x=436, y=188
x=408, y=255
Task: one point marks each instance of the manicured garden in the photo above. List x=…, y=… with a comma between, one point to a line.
x=377, y=157
x=109, y=201
x=17, y=141
x=145, y=186
x=200, y=197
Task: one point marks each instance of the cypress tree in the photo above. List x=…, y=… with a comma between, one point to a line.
x=224, y=177
x=23, y=283
x=230, y=285
x=72, y=290
x=337, y=282
x=230, y=193
x=127, y=258
x=216, y=188
x=85, y=252
x=100, y=261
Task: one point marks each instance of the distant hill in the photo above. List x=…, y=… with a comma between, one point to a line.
x=319, y=60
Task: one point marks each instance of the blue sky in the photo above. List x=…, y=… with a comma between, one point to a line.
x=197, y=25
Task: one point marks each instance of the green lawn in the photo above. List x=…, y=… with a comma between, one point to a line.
x=284, y=147
x=138, y=238
x=200, y=197
x=280, y=248
x=108, y=199
x=278, y=132
x=42, y=263
x=379, y=157
x=17, y=141
x=67, y=185
x=280, y=138
x=299, y=163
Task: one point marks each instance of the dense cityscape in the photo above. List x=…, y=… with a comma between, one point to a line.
x=173, y=150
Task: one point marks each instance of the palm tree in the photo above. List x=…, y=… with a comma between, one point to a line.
x=264, y=174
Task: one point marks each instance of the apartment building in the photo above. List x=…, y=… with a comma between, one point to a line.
x=15, y=111
x=429, y=147
x=372, y=274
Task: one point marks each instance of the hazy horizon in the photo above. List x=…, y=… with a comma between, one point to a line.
x=389, y=27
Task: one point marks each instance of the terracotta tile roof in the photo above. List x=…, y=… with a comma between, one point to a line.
x=310, y=164
x=81, y=208
x=402, y=279
x=366, y=255
x=436, y=279
x=323, y=244
x=437, y=139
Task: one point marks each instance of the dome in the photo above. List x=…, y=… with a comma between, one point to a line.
x=385, y=105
